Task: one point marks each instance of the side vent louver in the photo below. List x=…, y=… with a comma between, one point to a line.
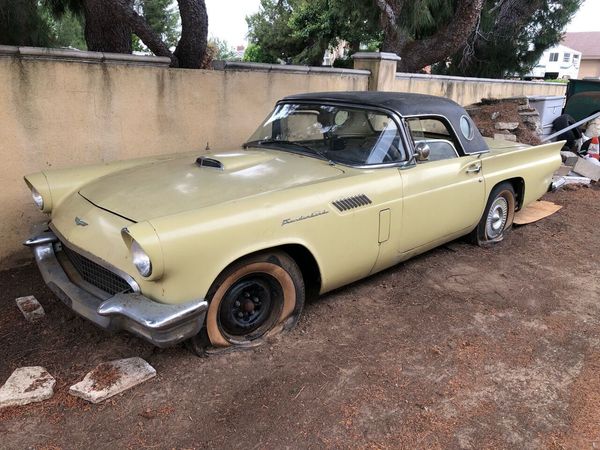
x=357, y=201
x=203, y=161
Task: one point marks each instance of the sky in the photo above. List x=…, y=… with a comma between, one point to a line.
x=587, y=18
x=227, y=18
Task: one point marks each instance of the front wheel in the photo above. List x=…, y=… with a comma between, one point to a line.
x=254, y=298
x=498, y=216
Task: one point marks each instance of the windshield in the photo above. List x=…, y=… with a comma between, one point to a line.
x=340, y=134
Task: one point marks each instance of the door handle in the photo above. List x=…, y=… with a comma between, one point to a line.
x=474, y=168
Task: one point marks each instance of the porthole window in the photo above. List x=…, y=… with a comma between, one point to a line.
x=466, y=128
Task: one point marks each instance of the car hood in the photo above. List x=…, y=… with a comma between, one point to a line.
x=166, y=187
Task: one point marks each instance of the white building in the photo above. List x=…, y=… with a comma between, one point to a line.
x=557, y=62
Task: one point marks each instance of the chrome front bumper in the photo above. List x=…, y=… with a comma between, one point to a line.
x=162, y=325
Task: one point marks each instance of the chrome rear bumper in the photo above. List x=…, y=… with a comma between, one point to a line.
x=162, y=325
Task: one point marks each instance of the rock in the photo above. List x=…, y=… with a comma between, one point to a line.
x=27, y=385
x=31, y=308
x=506, y=125
x=563, y=170
x=505, y=137
x=587, y=169
x=569, y=158
x=112, y=378
x=495, y=115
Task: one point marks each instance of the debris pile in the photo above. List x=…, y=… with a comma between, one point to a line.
x=578, y=170
x=512, y=119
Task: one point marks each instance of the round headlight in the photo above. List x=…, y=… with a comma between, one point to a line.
x=141, y=260
x=37, y=198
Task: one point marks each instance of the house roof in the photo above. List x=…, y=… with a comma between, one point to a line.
x=585, y=41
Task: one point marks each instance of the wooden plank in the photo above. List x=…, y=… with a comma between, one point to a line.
x=536, y=211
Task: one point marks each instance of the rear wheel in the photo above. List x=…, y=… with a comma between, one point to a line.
x=256, y=297
x=498, y=216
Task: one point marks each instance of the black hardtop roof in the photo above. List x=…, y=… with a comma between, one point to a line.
x=403, y=103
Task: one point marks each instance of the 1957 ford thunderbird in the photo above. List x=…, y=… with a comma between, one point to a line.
x=220, y=249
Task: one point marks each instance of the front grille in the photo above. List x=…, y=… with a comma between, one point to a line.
x=97, y=275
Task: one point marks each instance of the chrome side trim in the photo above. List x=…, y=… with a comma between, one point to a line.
x=128, y=278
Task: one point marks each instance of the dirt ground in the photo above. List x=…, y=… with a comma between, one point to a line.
x=462, y=347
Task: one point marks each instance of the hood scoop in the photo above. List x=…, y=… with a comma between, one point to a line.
x=204, y=161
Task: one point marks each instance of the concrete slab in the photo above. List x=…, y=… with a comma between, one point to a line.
x=506, y=125
x=31, y=308
x=505, y=137
x=587, y=169
x=112, y=378
x=569, y=158
x=27, y=385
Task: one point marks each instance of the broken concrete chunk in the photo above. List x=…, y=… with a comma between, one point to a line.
x=506, y=125
x=569, y=158
x=563, y=170
x=495, y=115
x=506, y=137
x=31, y=308
x=112, y=378
x=27, y=385
x=587, y=169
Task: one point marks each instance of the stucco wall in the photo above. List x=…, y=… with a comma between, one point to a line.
x=466, y=91
x=57, y=113
x=63, y=108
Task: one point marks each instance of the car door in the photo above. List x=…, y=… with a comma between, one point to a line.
x=443, y=194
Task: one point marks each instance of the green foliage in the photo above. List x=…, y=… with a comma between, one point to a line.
x=299, y=31
x=222, y=50
x=255, y=53
x=163, y=18
x=68, y=30
x=22, y=23
x=498, y=55
x=422, y=18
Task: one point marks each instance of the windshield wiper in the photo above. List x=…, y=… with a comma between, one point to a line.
x=314, y=151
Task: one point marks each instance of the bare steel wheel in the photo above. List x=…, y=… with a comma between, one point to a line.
x=254, y=298
x=498, y=215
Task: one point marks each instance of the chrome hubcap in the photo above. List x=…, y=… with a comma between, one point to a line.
x=496, y=219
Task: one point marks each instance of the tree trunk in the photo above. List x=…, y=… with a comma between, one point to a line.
x=445, y=42
x=105, y=31
x=194, y=31
x=141, y=28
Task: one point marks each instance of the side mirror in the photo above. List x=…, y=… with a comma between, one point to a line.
x=422, y=151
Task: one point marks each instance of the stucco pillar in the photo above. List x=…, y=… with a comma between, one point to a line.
x=382, y=67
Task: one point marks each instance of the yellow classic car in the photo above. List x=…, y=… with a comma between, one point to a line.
x=220, y=249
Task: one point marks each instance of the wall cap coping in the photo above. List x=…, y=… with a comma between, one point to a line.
x=261, y=67
x=424, y=76
x=376, y=55
x=66, y=54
